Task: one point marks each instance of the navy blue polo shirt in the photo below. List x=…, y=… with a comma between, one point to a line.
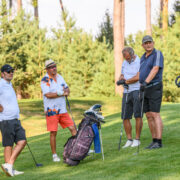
x=147, y=63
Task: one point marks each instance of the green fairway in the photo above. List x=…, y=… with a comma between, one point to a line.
x=161, y=164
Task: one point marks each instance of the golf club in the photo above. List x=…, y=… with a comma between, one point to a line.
x=119, y=147
x=141, y=117
x=37, y=164
x=70, y=111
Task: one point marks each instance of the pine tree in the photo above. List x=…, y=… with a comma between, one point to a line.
x=106, y=30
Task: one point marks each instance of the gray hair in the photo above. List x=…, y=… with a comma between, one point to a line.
x=129, y=50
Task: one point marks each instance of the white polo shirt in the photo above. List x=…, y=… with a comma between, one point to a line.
x=129, y=70
x=53, y=105
x=9, y=101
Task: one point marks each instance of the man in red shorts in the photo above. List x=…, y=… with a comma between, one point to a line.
x=54, y=90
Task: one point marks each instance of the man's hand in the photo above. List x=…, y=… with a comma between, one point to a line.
x=120, y=82
x=143, y=86
x=1, y=108
x=66, y=91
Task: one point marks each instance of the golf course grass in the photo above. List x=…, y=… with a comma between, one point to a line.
x=161, y=164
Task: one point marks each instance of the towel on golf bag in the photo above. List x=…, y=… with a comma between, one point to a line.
x=77, y=147
x=97, y=144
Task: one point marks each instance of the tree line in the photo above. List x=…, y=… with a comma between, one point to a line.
x=87, y=64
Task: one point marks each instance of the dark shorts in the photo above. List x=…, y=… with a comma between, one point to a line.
x=131, y=105
x=12, y=132
x=153, y=98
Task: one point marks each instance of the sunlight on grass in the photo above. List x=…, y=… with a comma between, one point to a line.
x=162, y=164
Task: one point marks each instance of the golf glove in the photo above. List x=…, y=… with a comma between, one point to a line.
x=120, y=82
x=60, y=92
x=143, y=86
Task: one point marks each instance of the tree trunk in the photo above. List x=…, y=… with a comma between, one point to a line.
x=63, y=13
x=161, y=12
x=36, y=12
x=10, y=4
x=148, y=17
x=61, y=4
x=165, y=15
x=118, y=30
x=19, y=5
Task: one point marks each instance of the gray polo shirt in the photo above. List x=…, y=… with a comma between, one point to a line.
x=129, y=70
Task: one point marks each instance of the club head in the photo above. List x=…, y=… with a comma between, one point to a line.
x=39, y=165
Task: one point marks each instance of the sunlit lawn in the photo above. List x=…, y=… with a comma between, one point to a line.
x=159, y=164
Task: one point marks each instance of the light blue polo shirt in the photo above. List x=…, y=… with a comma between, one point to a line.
x=129, y=70
x=8, y=101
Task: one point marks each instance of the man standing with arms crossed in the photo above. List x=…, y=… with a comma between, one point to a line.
x=130, y=78
x=151, y=70
x=54, y=90
x=11, y=129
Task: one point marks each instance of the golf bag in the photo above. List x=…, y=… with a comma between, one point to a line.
x=77, y=147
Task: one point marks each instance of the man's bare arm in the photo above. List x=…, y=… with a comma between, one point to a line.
x=133, y=79
x=121, y=77
x=152, y=74
x=1, y=108
x=51, y=95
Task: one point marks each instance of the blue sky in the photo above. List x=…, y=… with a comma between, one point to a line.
x=89, y=13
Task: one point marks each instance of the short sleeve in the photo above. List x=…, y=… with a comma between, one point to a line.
x=138, y=64
x=63, y=83
x=122, y=68
x=45, y=85
x=0, y=88
x=159, y=59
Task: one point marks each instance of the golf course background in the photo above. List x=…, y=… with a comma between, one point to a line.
x=161, y=164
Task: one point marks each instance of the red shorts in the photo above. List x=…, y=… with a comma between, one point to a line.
x=63, y=119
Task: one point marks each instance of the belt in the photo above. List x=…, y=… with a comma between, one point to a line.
x=152, y=84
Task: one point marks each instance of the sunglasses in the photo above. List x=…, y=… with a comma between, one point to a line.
x=10, y=71
x=51, y=67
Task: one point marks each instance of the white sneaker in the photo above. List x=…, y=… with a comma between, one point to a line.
x=135, y=143
x=91, y=151
x=128, y=143
x=56, y=158
x=17, y=172
x=8, y=169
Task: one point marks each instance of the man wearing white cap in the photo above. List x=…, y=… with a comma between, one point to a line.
x=54, y=90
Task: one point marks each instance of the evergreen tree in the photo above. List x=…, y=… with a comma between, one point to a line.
x=176, y=8
x=106, y=30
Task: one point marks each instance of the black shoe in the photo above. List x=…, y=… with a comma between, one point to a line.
x=156, y=145
x=149, y=147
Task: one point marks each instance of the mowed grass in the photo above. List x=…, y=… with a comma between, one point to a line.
x=161, y=164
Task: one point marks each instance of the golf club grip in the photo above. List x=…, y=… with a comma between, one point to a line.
x=70, y=112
